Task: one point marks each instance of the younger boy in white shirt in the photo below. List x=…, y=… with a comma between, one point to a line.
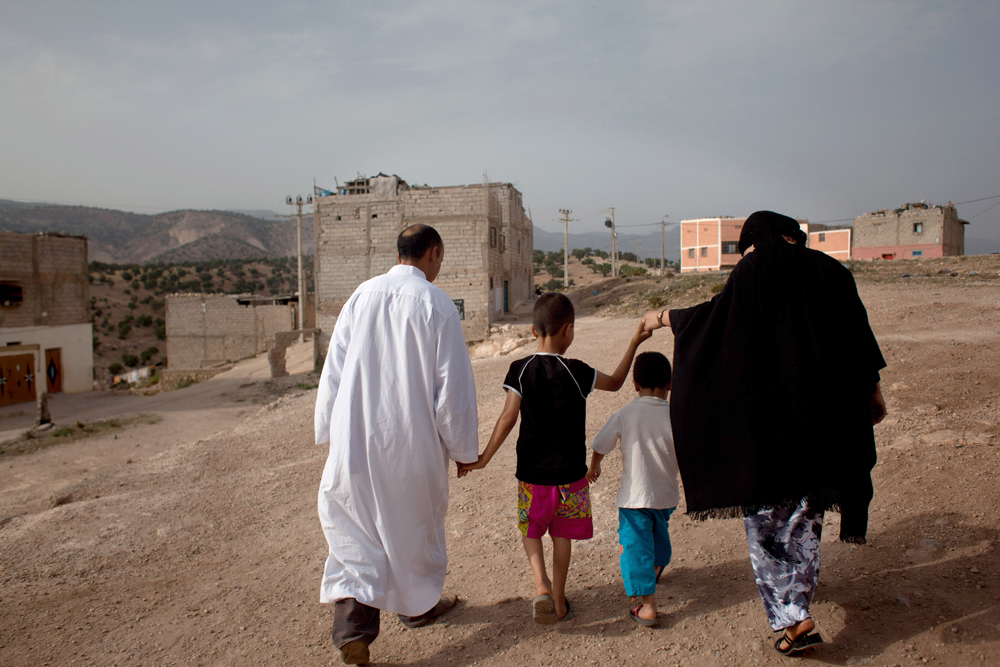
x=649, y=490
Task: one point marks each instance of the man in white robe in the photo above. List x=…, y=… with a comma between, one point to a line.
x=396, y=400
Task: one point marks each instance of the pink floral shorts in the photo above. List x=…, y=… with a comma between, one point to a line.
x=562, y=511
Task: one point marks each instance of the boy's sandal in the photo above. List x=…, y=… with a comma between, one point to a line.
x=543, y=610
x=634, y=613
x=569, y=612
x=659, y=572
x=799, y=644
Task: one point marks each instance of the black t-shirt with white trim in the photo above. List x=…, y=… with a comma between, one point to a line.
x=552, y=444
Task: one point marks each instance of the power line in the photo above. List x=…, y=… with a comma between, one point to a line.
x=981, y=212
x=975, y=200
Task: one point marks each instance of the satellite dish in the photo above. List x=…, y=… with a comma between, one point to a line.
x=298, y=200
x=608, y=223
x=288, y=200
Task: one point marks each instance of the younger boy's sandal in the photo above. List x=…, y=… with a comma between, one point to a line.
x=801, y=643
x=634, y=613
x=543, y=610
x=569, y=612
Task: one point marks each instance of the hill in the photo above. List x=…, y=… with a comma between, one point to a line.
x=176, y=236
x=650, y=243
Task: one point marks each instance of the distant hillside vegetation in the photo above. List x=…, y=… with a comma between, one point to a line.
x=176, y=236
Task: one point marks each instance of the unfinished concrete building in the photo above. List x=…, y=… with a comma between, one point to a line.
x=487, y=237
x=46, y=338
x=913, y=230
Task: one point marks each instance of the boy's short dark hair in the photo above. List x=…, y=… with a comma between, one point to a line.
x=414, y=241
x=651, y=370
x=552, y=311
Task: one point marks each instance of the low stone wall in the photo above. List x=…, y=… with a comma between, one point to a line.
x=176, y=378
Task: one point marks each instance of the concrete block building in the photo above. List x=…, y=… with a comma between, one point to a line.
x=46, y=338
x=913, y=230
x=487, y=236
x=209, y=330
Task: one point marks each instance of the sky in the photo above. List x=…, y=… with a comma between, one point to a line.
x=820, y=110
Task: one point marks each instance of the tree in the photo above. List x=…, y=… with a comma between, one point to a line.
x=578, y=253
x=539, y=256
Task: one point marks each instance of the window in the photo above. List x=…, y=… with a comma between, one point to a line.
x=704, y=252
x=729, y=248
x=11, y=294
x=491, y=282
x=503, y=243
x=917, y=253
x=493, y=237
x=822, y=237
x=691, y=253
x=918, y=227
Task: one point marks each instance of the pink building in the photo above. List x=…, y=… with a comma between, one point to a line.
x=710, y=244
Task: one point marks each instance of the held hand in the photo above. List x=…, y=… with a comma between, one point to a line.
x=642, y=334
x=593, y=473
x=464, y=468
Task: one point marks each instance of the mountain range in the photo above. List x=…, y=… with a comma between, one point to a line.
x=121, y=237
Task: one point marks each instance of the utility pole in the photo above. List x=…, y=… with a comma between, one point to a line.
x=638, y=251
x=299, y=203
x=663, y=239
x=565, y=212
x=610, y=223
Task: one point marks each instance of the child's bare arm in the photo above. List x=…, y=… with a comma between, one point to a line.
x=505, y=424
x=595, y=467
x=615, y=381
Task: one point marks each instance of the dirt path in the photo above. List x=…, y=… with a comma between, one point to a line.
x=208, y=551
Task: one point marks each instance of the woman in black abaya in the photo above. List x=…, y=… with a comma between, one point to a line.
x=775, y=392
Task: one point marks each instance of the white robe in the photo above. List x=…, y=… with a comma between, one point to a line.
x=396, y=400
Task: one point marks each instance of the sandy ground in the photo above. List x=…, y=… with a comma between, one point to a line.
x=206, y=548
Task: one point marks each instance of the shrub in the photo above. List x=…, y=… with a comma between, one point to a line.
x=96, y=342
x=127, y=275
x=135, y=285
x=161, y=332
x=115, y=368
x=552, y=286
x=123, y=330
x=144, y=320
x=130, y=360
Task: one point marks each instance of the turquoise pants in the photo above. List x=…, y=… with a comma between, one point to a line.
x=643, y=534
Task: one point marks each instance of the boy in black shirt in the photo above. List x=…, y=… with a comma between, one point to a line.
x=550, y=394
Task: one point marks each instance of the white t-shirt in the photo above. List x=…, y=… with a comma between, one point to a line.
x=649, y=463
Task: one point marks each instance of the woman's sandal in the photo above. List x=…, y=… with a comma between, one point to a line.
x=801, y=643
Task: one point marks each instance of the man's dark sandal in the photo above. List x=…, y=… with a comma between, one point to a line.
x=444, y=605
x=799, y=644
x=659, y=572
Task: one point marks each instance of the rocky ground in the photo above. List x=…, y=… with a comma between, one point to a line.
x=180, y=549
